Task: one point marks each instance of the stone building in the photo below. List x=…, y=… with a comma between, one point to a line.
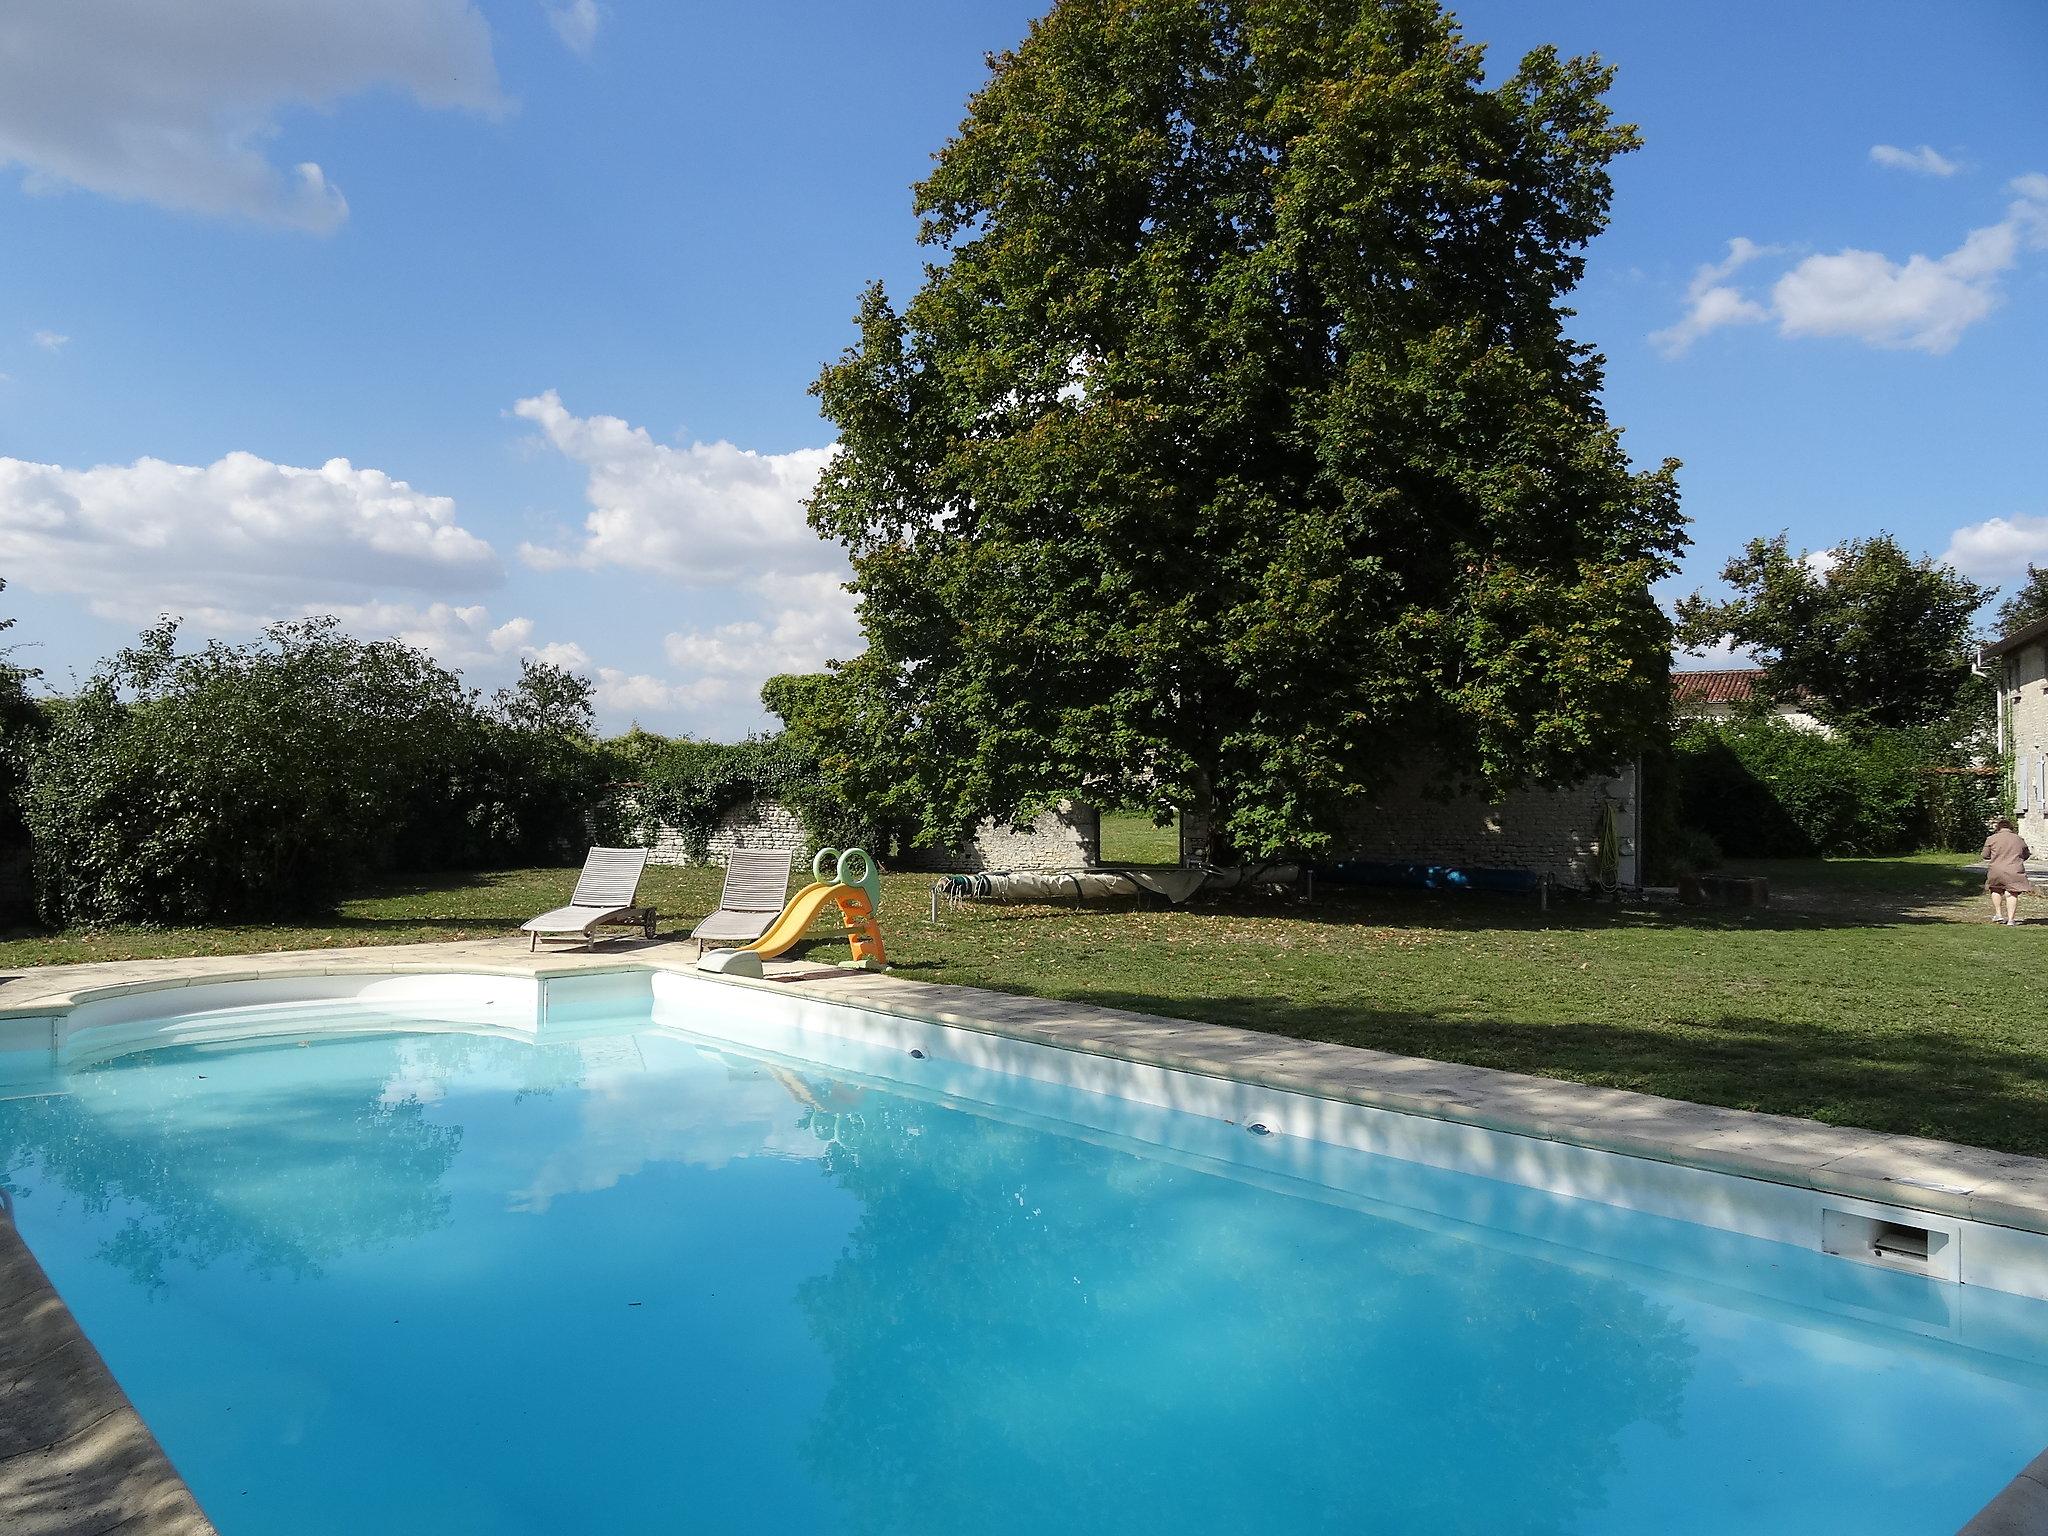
x=1722, y=694
x=1554, y=832
x=2019, y=665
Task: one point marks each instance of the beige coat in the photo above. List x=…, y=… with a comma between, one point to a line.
x=2006, y=853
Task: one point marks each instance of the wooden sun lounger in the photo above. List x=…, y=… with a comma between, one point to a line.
x=604, y=897
x=756, y=887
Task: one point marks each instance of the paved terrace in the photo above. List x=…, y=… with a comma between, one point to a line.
x=76, y=1461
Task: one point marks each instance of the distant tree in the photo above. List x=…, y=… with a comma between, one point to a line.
x=2027, y=604
x=547, y=701
x=19, y=718
x=1233, y=454
x=1868, y=635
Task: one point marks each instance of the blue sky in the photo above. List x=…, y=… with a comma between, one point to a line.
x=562, y=273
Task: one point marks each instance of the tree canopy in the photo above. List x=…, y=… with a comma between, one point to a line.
x=18, y=719
x=1867, y=635
x=1233, y=454
x=2028, y=603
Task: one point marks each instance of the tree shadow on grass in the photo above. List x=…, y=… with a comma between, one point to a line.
x=1891, y=897
x=1945, y=1083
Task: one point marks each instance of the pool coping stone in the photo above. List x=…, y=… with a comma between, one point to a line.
x=76, y=1458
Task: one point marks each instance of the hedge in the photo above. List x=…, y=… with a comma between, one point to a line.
x=267, y=779
x=1764, y=789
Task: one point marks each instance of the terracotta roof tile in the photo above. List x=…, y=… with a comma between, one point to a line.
x=1734, y=686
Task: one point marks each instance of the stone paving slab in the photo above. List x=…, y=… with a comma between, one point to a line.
x=2021, y=1510
x=75, y=1458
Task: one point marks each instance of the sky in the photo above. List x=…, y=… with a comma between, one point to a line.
x=491, y=325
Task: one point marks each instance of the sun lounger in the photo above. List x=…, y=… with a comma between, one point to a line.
x=604, y=896
x=756, y=886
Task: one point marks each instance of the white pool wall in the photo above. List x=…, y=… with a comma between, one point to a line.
x=35, y=1050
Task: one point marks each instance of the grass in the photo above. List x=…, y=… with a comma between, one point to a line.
x=1129, y=837
x=1870, y=993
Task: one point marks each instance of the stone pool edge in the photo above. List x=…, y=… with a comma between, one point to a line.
x=1945, y=1178
x=2020, y=1509
x=76, y=1459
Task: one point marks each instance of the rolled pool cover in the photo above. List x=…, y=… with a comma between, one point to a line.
x=1079, y=886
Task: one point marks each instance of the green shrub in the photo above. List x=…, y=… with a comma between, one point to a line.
x=1761, y=788
x=695, y=786
x=246, y=781
x=1957, y=805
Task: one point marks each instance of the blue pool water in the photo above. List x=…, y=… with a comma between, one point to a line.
x=640, y=1282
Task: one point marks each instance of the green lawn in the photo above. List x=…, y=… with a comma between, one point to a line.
x=1871, y=994
x=1129, y=837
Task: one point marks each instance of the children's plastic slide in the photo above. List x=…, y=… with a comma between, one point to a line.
x=853, y=884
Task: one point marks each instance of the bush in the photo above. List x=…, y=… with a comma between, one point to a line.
x=1761, y=788
x=694, y=786
x=1696, y=852
x=1957, y=805
x=265, y=779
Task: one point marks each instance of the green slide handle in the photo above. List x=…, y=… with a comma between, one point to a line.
x=857, y=867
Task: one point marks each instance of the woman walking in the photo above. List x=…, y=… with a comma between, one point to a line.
x=2005, y=874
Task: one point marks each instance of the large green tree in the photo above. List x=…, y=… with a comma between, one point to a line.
x=1867, y=635
x=2027, y=604
x=1233, y=454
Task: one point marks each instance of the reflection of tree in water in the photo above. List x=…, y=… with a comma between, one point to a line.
x=1030, y=1334
x=282, y=1177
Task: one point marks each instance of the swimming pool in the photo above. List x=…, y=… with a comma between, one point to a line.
x=632, y=1259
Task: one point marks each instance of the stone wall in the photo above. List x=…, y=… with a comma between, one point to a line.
x=1789, y=714
x=757, y=824
x=1551, y=832
x=1066, y=837
x=2025, y=700
x=1069, y=837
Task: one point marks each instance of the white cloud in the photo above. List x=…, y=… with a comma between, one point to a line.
x=1923, y=303
x=810, y=622
x=1999, y=549
x=1711, y=303
x=715, y=673
x=1724, y=655
x=633, y=694
x=1923, y=161
x=1821, y=562
x=700, y=513
x=50, y=341
x=575, y=22
x=175, y=104
x=464, y=638
x=231, y=543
